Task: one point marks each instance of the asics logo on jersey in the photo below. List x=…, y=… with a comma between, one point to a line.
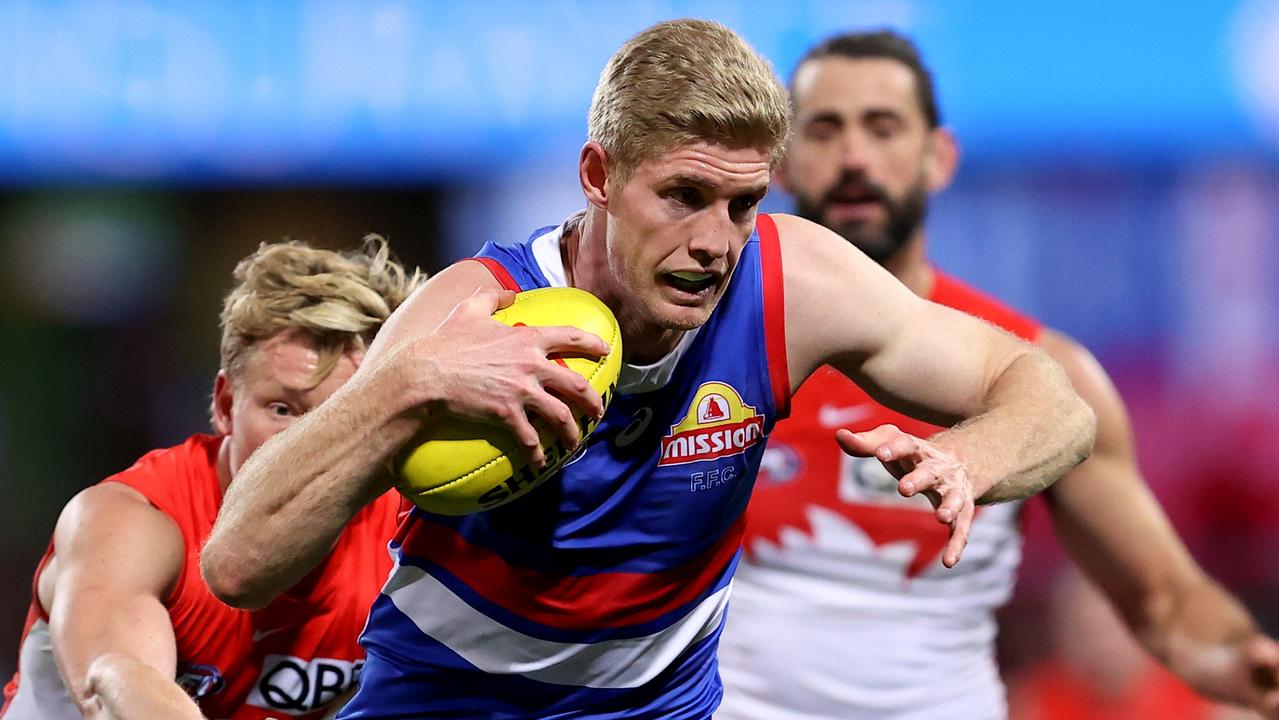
x=631, y=433
x=718, y=424
x=835, y=416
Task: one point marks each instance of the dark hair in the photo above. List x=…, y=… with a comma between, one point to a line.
x=881, y=44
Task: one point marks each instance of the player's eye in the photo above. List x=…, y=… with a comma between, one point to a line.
x=823, y=129
x=743, y=204
x=280, y=409
x=885, y=126
x=687, y=196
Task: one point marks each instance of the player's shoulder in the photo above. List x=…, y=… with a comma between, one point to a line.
x=111, y=519
x=456, y=282
x=430, y=303
x=816, y=260
x=796, y=234
x=107, y=498
x=111, y=545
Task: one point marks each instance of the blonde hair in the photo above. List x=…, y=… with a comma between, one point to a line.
x=340, y=299
x=682, y=81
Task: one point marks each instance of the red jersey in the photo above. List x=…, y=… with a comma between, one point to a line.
x=292, y=657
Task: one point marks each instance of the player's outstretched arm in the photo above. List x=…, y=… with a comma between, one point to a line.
x=1020, y=424
x=117, y=557
x=439, y=355
x=1114, y=529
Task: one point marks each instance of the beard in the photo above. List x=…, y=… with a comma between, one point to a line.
x=880, y=241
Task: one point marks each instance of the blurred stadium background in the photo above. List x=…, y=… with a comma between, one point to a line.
x=1120, y=180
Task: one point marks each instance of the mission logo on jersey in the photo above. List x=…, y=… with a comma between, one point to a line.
x=718, y=424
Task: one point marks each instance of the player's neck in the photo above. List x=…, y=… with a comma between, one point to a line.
x=911, y=266
x=582, y=265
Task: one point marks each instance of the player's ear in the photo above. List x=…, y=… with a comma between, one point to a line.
x=942, y=159
x=223, y=399
x=592, y=172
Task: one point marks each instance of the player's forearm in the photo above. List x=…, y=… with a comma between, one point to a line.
x=289, y=501
x=120, y=687
x=1196, y=631
x=1033, y=430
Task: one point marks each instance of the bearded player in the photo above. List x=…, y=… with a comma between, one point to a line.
x=842, y=607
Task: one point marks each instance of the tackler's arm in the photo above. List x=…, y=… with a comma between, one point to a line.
x=117, y=559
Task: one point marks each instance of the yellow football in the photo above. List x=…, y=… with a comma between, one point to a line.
x=458, y=467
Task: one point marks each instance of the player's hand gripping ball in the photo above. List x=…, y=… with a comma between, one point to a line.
x=461, y=467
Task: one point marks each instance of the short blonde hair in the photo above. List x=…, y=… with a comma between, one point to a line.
x=338, y=298
x=682, y=81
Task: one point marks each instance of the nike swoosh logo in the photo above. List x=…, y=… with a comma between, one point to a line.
x=834, y=416
x=259, y=634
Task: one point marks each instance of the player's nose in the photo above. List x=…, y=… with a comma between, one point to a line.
x=854, y=156
x=712, y=241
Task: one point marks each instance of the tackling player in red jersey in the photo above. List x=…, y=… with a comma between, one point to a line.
x=119, y=610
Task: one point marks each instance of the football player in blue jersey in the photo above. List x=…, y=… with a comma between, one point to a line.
x=602, y=593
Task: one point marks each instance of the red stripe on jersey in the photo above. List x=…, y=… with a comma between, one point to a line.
x=770, y=260
x=572, y=602
x=500, y=273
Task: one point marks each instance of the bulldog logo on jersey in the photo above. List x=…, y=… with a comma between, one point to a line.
x=718, y=424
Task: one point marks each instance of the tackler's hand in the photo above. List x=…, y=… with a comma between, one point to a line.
x=922, y=467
